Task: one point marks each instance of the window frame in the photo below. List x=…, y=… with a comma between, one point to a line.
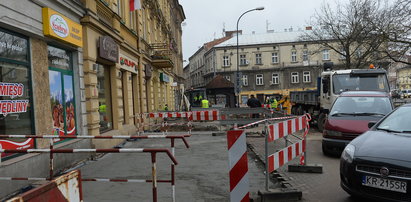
x=243, y=60
x=258, y=58
x=295, y=77
x=276, y=58
x=305, y=55
x=326, y=54
x=258, y=78
x=294, y=56
x=275, y=78
x=226, y=61
x=245, y=79
x=306, y=77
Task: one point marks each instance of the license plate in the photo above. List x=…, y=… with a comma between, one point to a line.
x=387, y=184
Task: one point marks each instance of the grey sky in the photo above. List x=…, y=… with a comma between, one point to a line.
x=205, y=19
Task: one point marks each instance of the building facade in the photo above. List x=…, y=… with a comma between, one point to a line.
x=270, y=63
x=80, y=67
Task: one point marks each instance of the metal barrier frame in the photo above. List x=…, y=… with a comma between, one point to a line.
x=51, y=150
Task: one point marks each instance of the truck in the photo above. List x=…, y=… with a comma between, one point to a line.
x=330, y=85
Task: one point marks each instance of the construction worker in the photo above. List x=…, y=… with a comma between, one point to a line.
x=204, y=103
x=274, y=103
x=165, y=107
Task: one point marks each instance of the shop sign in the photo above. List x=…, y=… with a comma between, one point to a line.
x=128, y=64
x=60, y=27
x=148, y=71
x=164, y=77
x=13, y=47
x=174, y=84
x=12, y=90
x=108, y=49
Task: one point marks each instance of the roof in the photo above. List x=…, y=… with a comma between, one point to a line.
x=219, y=82
x=364, y=94
x=265, y=38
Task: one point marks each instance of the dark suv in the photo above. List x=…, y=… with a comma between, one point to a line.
x=349, y=117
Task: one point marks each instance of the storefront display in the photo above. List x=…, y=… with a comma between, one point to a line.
x=61, y=92
x=15, y=91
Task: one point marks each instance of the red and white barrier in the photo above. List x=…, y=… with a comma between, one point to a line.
x=237, y=156
x=213, y=115
x=168, y=114
x=285, y=155
x=284, y=128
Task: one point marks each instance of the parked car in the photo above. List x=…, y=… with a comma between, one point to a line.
x=406, y=93
x=377, y=164
x=349, y=117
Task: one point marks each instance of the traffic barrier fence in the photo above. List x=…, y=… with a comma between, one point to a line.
x=153, y=152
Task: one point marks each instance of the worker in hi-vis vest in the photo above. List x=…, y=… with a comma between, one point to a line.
x=274, y=103
x=204, y=103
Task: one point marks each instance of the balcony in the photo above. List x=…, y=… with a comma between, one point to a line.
x=161, y=55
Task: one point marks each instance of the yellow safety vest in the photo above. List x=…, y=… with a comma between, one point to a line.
x=204, y=104
x=274, y=104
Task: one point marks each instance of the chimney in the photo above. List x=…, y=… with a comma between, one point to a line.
x=308, y=28
x=253, y=32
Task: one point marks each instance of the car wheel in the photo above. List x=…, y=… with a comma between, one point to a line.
x=321, y=122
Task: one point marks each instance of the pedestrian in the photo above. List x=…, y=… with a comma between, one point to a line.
x=274, y=103
x=165, y=107
x=204, y=103
x=254, y=103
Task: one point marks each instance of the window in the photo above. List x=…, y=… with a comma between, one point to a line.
x=305, y=55
x=226, y=61
x=104, y=96
x=227, y=77
x=133, y=20
x=293, y=56
x=243, y=61
x=259, y=80
x=326, y=54
x=61, y=91
x=306, y=77
x=294, y=77
x=275, y=79
x=258, y=59
x=119, y=8
x=274, y=57
x=245, y=80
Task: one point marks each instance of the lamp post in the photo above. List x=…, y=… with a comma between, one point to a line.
x=238, y=85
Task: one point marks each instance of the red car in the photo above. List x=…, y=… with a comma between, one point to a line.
x=349, y=117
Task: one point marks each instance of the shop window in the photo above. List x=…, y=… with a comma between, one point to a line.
x=61, y=92
x=104, y=98
x=16, y=114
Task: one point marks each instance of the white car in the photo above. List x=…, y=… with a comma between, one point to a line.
x=406, y=93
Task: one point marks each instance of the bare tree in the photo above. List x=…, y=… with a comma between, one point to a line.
x=393, y=24
x=346, y=29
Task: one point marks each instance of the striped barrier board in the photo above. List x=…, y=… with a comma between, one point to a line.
x=213, y=115
x=285, y=155
x=287, y=127
x=168, y=114
x=238, y=163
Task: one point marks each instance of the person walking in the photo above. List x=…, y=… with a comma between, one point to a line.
x=254, y=103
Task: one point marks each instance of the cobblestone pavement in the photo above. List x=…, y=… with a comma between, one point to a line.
x=315, y=187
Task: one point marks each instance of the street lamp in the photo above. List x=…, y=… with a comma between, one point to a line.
x=238, y=86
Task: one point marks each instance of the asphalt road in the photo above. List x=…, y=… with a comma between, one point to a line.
x=201, y=175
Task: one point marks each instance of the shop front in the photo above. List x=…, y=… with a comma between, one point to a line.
x=16, y=103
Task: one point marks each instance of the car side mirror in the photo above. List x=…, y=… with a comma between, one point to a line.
x=371, y=124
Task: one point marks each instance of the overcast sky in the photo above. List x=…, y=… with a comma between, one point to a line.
x=205, y=19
